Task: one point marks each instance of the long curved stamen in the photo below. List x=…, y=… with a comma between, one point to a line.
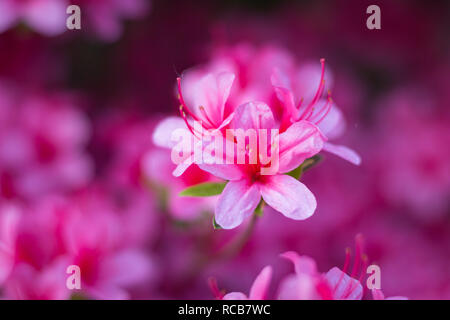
x=308, y=110
x=323, y=112
x=360, y=261
x=189, y=126
x=344, y=269
x=204, y=114
x=358, y=253
x=212, y=282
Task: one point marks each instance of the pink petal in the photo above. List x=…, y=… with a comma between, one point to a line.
x=303, y=264
x=344, y=286
x=51, y=23
x=235, y=296
x=288, y=196
x=238, y=201
x=377, y=294
x=253, y=115
x=298, y=287
x=261, y=284
x=343, y=152
x=223, y=171
x=333, y=125
x=163, y=131
x=210, y=92
x=8, y=14
x=300, y=141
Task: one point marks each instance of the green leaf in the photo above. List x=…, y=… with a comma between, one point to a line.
x=215, y=224
x=206, y=189
x=306, y=165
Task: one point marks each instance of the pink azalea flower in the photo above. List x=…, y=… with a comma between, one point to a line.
x=207, y=95
x=47, y=17
x=300, y=103
x=336, y=284
x=248, y=184
x=259, y=288
x=307, y=283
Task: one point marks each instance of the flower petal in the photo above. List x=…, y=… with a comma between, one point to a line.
x=238, y=200
x=288, y=196
x=261, y=284
x=303, y=264
x=163, y=132
x=300, y=141
x=333, y=125
x=344, y=286
x=343, y=152
x=235, y=296
x=253, y=115
x=209, y=92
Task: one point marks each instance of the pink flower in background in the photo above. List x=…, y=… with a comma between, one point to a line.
x=85, y=231
x=259, y=288
x=416, y=175
x=47, y=17
x=42, y=143
x=158, y=170
x=107, y=264
x=104, y=18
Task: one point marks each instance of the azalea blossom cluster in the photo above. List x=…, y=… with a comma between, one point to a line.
x=218, y=99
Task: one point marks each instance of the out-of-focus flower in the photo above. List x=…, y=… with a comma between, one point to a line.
x=104, y=18
x=308, y=284
x=45, y=16
x=48, y=17
x=416, y=175
x=158, y=170
x=86, y=231
x=42, y=142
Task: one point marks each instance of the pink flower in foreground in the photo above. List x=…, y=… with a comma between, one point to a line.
x=206, y=95
x=259, y=288
x=47, y=17
x=299, y=103
x=248, y=182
